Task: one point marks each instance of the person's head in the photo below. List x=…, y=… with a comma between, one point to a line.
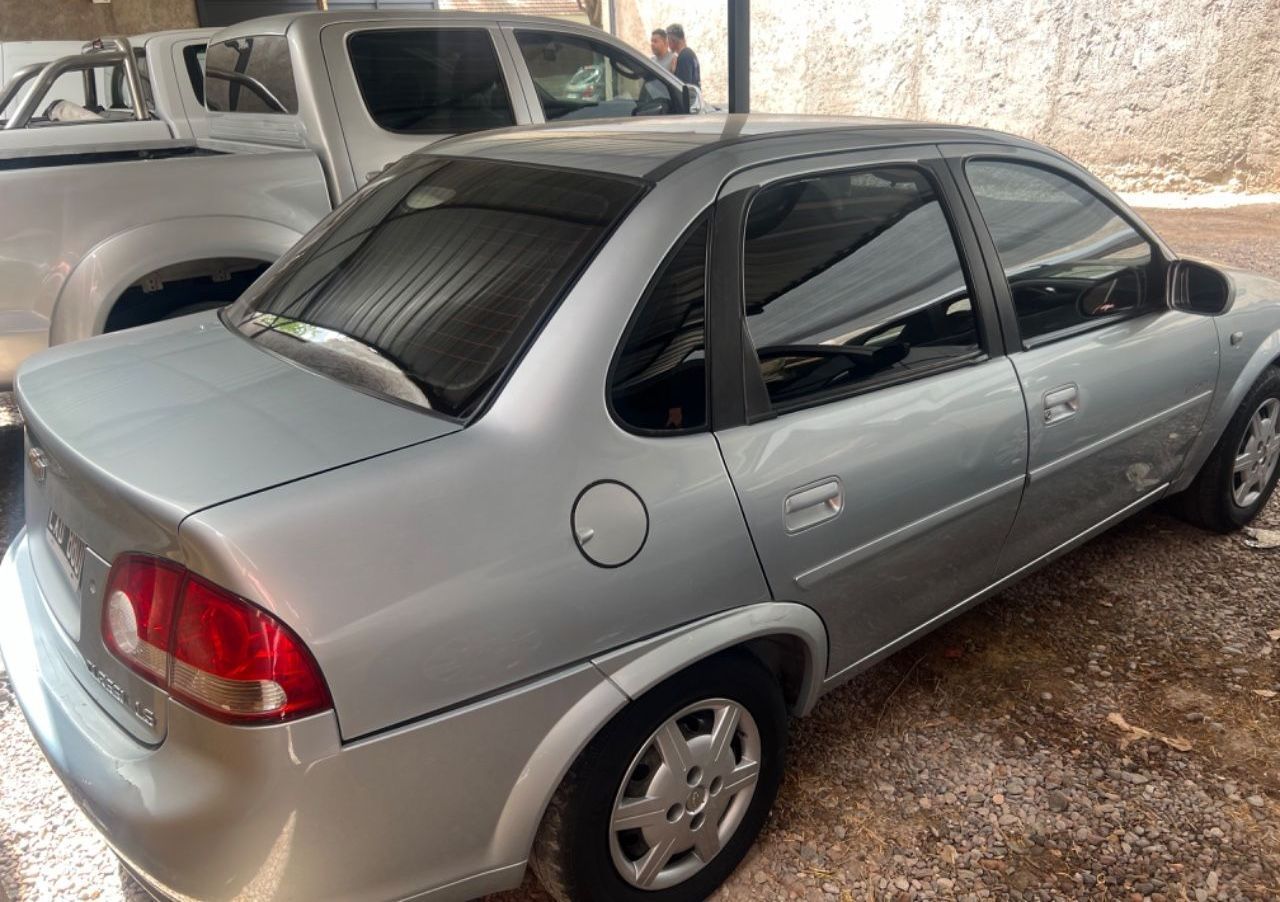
x=658, y=42
x=675, y=37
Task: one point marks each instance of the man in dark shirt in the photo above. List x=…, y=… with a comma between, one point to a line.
x=687, y=68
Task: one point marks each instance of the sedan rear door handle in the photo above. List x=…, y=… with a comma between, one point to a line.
x=813, y=504
x=1061, y=403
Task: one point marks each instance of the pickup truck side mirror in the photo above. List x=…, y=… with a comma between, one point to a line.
x=692, y=99
x=1199, y=288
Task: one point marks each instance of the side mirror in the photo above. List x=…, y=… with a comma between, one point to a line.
x=692, y=99
x=1199, y=288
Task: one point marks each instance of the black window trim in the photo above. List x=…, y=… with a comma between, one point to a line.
x=707, y=216
x=195, y=69
x=507, y=81
x=1157, y=290
x=758, y=404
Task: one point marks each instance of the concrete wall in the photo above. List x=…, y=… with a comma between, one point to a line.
x=59, y=20
x=1180, y=95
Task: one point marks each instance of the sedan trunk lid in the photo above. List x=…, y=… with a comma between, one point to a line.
x=129, y=433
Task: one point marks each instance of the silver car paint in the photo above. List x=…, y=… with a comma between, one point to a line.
x=501, y=633
x=273, y=177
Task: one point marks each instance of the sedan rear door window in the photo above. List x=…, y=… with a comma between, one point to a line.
x=426, y=286
x=853, y=279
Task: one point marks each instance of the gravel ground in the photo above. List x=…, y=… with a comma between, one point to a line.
x=1109, y=727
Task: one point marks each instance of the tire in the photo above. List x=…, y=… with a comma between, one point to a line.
x=1217, y=500
x=579, y=857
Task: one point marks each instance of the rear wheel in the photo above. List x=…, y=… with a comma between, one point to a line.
x=666, y=801
x=1237, y=480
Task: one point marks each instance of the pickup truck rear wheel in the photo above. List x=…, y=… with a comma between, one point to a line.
x=666, y=801
x=1237, y=480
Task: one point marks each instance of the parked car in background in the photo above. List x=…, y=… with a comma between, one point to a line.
x=302, y=110
x=507, y=517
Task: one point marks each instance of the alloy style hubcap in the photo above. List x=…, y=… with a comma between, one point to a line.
x=1258, y=454
x=684, y=794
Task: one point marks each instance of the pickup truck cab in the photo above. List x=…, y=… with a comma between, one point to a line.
x=94, y=89
x=303, y=109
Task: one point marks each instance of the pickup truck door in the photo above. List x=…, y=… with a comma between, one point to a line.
x=400, y=85
x=569, y=76
x=1117, y=383
x=882, y=453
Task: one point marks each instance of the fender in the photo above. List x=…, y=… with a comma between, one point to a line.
x=641, y=666
x=118, y=262
x=628, y=673
x=1264, y=355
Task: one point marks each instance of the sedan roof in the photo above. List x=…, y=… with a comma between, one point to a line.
x=653, y=146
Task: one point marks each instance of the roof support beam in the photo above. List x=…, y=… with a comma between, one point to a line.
x=739, y=56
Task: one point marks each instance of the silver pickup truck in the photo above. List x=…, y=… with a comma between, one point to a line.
x=302, y=109
x=113, y=90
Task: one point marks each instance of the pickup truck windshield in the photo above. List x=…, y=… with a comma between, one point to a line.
x=427, y=285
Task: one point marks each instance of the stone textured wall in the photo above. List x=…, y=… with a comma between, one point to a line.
x=62, y=20
x=1181, y=95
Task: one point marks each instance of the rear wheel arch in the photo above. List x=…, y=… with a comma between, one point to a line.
x=788, y=639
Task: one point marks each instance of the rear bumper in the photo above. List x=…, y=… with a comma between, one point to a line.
x=22, y=333
x=444, y=808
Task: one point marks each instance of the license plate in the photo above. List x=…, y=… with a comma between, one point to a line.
x=70, y=547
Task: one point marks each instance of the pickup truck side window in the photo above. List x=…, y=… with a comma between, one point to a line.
x=852, y=280
x=1072, y=262
x=425, y=81
x=250, y=75
x=193, y=59
x=577, y=78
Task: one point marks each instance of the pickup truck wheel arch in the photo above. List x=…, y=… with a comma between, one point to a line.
x=105, y=274
x=184, y=288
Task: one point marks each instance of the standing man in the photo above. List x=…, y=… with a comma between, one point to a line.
x=662, y=52
x=687, y=68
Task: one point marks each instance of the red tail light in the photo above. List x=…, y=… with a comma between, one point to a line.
x=209, y=648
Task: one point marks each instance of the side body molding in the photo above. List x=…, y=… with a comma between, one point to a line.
x=642, y=665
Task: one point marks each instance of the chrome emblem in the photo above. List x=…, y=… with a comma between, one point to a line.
x=38, y=463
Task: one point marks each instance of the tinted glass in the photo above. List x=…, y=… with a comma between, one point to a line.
x=1069, y=258
x=250, y=75
x=580, y=79
x=193, y=58
x=425, y=286
x=424, y=81
x=853, y=279
x=660, y=379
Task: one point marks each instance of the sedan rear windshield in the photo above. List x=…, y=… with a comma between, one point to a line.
x=426, y=286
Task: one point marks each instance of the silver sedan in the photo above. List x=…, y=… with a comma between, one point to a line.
x=508, y=518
